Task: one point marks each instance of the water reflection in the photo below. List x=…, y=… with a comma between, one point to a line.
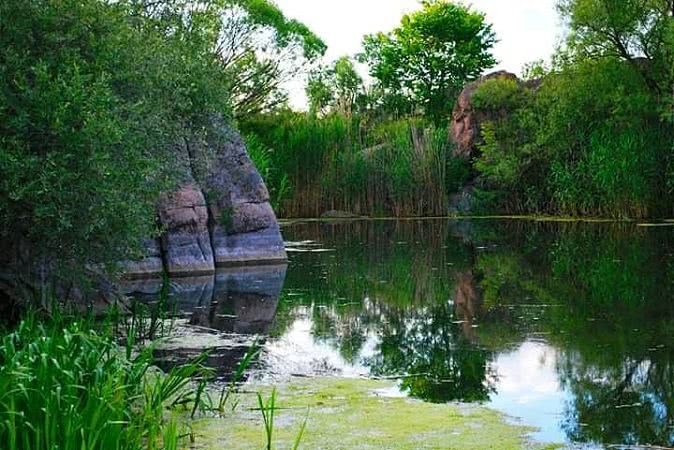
x=566, y=326
x=221, y=310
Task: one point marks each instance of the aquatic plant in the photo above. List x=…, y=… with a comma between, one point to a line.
x=65, y=385
x=312, y=165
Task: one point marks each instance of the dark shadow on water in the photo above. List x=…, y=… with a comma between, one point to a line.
x=232, y=304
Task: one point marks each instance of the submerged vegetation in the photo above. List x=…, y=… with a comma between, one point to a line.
x=367, y=419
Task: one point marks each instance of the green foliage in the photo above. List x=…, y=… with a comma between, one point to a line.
x=431, y=55
x=92, y=104
x=260, y=48
x=629, y=30
x=499, y=94
x=334, y=88
x=333, y=162
x=67, y=386
x=588, y=141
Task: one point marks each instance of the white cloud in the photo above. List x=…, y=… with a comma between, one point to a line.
x=527, y=30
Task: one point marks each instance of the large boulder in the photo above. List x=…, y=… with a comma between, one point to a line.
x=465, y=130
x=219, y=216
x=186, y=243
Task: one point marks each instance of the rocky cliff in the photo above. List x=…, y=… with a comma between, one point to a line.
x=219, y=216
x=465, y=127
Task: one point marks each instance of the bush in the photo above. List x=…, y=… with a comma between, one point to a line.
x=588, y=142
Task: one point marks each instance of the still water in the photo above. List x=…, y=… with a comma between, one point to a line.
x=566, y=327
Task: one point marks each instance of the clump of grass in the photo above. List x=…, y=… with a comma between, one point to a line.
x=64, y=385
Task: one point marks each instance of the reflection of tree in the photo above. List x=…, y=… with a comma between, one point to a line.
x=586, y=289
x=620, y=404
x=613, y=323
x=440, y=363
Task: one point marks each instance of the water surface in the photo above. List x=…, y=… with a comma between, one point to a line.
x=566, y=327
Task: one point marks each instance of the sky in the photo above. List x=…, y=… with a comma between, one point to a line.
x=527, y=30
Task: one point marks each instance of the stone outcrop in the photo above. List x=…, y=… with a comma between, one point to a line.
x=464, y=129
x=186, y=243
x=219, y=216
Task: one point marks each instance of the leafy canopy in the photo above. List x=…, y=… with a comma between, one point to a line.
x=335, y=87
x=431, y=55
x=93, y=96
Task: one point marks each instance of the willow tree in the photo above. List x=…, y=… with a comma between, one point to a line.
x=637, y=31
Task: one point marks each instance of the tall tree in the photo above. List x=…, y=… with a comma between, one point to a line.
x=261, y=49
x=431, y=55
x=334, y=88
x=636, y=31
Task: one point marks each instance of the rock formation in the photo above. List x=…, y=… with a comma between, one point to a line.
x=464, y=129
x=219, y=216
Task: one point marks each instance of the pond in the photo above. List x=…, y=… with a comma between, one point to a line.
x=565, y=327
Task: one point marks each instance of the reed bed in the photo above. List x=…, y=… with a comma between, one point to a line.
x=65, y=386
x=313, y=165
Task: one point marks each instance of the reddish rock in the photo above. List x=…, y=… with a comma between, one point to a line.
x=465, y=125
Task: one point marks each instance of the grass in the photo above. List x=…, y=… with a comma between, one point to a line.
x=65, y=385
x=312, y=165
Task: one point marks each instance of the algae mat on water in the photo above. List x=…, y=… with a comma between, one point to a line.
x=359, y=414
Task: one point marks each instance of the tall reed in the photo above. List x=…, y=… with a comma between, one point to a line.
x=337, y=163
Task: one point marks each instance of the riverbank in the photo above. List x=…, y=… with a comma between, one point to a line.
x=525, y=218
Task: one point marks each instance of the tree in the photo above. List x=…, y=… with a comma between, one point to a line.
x=431, y=55
x=335, y=87
x=635, y=31
x=319, y=91
x=93, y=97
x=261, y=49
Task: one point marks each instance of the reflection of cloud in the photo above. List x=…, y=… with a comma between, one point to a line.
x=528, y=372
x=298, y=352
x=528, y=387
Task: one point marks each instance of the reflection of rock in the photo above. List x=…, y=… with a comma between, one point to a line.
x=239, y=301
x=244, y=300
x=467, y=302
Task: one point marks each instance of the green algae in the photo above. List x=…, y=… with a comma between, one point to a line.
x=359, y=414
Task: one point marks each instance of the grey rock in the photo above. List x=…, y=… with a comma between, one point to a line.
x=150, y=266
x=262, y=246
x=221, y=213
x=186, y=242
